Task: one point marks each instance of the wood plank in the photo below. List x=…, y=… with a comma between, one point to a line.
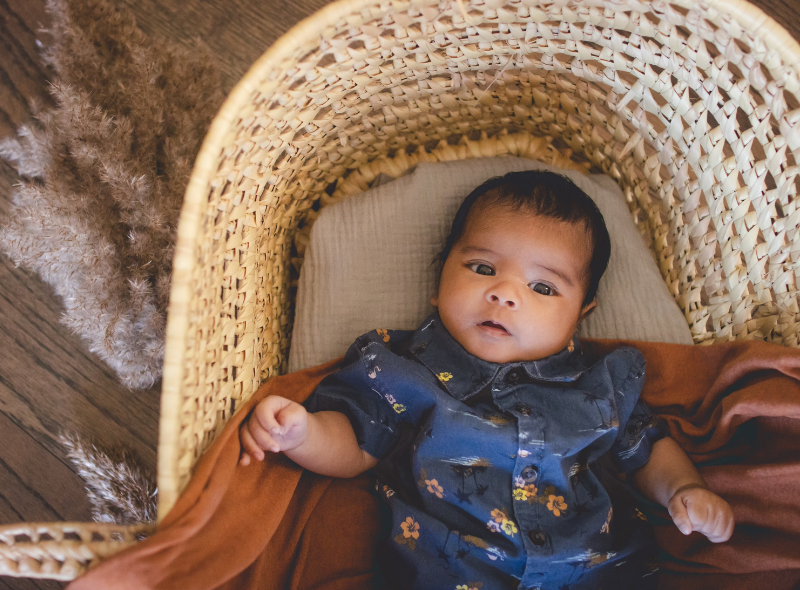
x=22, y=74
x=52, y=382
x=238, y=32
x=26, y=584
x=35, y=481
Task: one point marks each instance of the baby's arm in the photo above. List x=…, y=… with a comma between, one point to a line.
x=323, y=442
x=670, y=478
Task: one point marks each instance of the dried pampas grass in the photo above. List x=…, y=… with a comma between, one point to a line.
x=119, y=489
x=104, y=173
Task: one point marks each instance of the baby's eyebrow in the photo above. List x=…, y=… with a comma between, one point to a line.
x=476, y=250
x=558, y=273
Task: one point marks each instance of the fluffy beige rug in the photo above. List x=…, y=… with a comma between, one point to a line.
x=103, y=176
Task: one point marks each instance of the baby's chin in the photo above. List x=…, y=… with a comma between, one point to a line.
x=502, y=354
x=498, y=354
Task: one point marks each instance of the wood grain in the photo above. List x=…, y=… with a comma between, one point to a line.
x=23, y=77
x=49, y=381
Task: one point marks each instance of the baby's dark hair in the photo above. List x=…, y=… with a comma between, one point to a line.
x=547, y=194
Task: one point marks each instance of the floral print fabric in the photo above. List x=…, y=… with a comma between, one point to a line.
x=497, y=485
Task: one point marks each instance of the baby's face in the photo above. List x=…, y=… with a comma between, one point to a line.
x=512, y=287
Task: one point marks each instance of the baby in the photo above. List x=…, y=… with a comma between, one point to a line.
x=495, y=436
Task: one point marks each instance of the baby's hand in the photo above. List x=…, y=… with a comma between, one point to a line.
x=277, y=424
x=698, y=509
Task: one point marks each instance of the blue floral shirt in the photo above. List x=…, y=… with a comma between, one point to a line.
x=492, y=471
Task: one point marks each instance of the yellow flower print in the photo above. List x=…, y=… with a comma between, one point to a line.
x=399, y=408
x=520, y=494
x=638, y=514
x=384, y=334
x=410, y=528
x=434, y=487
x=445, y=377
x=509, y=527
x=501, y=523
x=556, y=504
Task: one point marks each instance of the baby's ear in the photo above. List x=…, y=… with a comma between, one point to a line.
x=588, y=308
x=435, y=300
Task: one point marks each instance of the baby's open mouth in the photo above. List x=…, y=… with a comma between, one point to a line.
x=495, y=325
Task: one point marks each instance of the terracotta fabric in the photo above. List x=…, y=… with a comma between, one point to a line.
x=734, y=407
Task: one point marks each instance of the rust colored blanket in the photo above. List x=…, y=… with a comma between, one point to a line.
x=735, y=408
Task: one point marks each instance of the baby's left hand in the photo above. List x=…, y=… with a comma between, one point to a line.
x=699, y=509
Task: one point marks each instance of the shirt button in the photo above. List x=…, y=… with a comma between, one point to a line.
x=513, y=377
x=537, y=537
x=530, y=473
x=523, y=410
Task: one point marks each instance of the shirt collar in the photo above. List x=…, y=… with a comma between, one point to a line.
x=464, y=375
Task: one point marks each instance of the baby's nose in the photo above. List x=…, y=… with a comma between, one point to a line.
x=503, y=295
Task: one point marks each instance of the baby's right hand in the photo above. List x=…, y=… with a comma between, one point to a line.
x=276, y=424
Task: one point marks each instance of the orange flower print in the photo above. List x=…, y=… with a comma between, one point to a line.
x=434, y=487
x=384, y=334
x=498, y=515
x=409, y=533
x=571, y=346
x=607, y=525
x=444, y=377
x=410, y=528
x=556, y=504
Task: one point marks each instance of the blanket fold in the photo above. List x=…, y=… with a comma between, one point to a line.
x=734, y=408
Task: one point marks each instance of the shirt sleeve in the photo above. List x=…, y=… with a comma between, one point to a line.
x=359, y=391
x=639, y=428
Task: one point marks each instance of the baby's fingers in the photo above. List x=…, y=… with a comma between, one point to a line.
x=680, y=516
x=249, y=446
x=260, y=439
x=717, y=523
x=266, y=412
x=290, y=416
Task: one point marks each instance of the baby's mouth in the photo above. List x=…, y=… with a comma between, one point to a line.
x=495, y=326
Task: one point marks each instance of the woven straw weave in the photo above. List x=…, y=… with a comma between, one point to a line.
x=692, y=107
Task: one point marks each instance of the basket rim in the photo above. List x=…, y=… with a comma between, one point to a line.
x=761, y=25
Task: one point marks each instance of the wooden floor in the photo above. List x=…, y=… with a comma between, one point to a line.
x=48, y=379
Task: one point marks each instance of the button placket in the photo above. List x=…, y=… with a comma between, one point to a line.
x=530, y=429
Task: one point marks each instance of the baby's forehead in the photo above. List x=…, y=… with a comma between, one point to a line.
x=485, y=214
x=570, y=238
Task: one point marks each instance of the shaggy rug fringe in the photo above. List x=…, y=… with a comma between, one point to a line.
x=103, y=177
x=119, y=489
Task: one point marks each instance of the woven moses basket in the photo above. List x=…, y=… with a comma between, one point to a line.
x=691, y=106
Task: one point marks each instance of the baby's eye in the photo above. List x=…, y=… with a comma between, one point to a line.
x=481, y=269
x=542, y=288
